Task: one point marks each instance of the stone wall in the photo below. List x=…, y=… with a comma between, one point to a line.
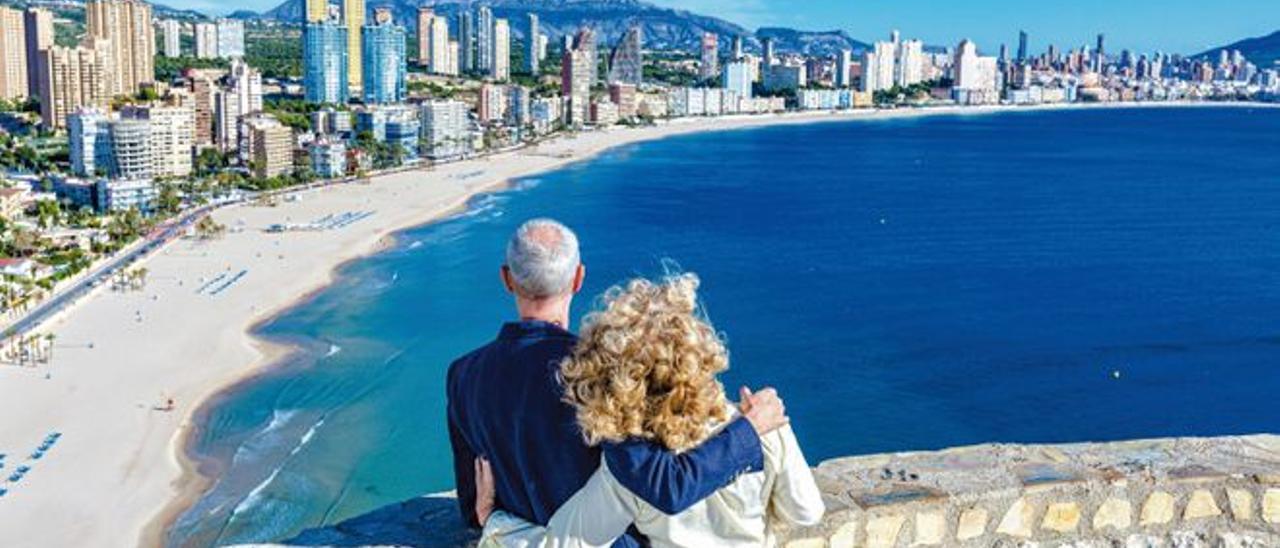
x=1176, y=493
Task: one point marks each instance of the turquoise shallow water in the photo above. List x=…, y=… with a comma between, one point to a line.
x=906, y=284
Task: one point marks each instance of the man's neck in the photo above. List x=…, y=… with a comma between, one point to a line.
x=552, y=311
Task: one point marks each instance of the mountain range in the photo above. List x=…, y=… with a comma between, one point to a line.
x=663, y=28
x=1263, y=51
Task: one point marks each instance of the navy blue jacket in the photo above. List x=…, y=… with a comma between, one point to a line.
x=505, y=404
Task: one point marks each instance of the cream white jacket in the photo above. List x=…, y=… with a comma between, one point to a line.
x=743, y=513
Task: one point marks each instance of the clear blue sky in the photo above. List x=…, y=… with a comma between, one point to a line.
x=1174, y=26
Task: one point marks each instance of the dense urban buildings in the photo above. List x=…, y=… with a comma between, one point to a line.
x=13, y=54
x=626, y=64
x=532, y=43
x=324, y=54
x=124, y=27
x=384, y=60
x=171, y=30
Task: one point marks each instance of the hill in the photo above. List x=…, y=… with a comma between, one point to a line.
x=664, y=28
x=1263, y=51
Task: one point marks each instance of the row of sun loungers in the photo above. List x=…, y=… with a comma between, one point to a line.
x=21, y=471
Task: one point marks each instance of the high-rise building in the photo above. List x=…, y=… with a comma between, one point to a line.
x=130, y=144
x=1100, y=54
x=484, y=41
x=246, y=82
x=384, y=60
x=172, y=131
x=909, y=68
x=492, y=104
x=425, y=16
x=738, y=77
x=626, y=64
x=442, y=55
x=768, y=52
x=87, y=141
x=71, y=78
x=624, y=96
x=710, y=65
x=206, y=40
x=226, y=118
x=501, y=64
x=519, y=113
x=532, y=43
x=575, y=85
x=445, y=128
x=844, y=69
x=1022, y=46
x=171, y=30
x=203, y=94
x=466, y=42
x=737, y=48
x=13, y=54
x=882, y=72
x=870, y=72
x=324, y=62
x=39, y=37
x=976, y=77
x=353, y=16
x=125, y=26
x=586, y=42
x=317, y=11
x=266, y=146
x=230, y=38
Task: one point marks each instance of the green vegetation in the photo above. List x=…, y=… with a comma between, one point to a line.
x=168, y=68
x=275, y=52
x=31, y=105
x=18, y=155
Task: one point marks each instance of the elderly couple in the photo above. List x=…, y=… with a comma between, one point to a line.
x=623, y=436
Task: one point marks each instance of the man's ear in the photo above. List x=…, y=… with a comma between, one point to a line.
x=505, y=274
x=579, y=277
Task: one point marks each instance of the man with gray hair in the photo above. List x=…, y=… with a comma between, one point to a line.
x=505, y=405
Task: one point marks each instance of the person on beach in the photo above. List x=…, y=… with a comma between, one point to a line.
x=646, y=368
x=505, y=403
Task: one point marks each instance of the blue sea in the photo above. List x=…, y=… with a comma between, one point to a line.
x=905, y=284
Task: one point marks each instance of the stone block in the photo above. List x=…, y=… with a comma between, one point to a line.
x=973, y=524
x=1144, y=541
x=807, y=543
x=882, y=532
x=1158, y=510
x=846, y=536
x=1241, y=502
x=931, y=528
x=1271, y=506
x=1114, y=513
x=1201, y=505
x=1062, y=517
x=1019, y=520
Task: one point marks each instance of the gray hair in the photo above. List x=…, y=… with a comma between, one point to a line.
x=543, y=258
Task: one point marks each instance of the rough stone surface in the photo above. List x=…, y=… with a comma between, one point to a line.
x=1241, y=504
x=1062, y=517
x=1114, y=513
x=1158, y=510
x=973, y=524
x=846, y=536
x=1271, y=506
x=1201, y=505
x=931, y=528
x=882, y=532
x=807, y=543
x=1019, y=520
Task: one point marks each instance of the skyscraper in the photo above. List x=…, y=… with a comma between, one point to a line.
x=739, y=75
x=466, y=42
x=172, y=131
x=324, y=59
x=575, y=85
x=130, y=38
x=230, y=38
x=710, y=65
x=206, y=40
x=768, y=52
x=1100, y=54
x=1022, y=46
x=353, y=16
x=844, y=69
x=501, y=63
x=71, y=78
x=317, y=11
x=384, y=60
x=737, y=48
x=425, y=16
x=585, y=42
x=172, y=31
x=626, y=64
x=909, y=69
x=13, y=54
x=39, y=31
x=532, y=37
x=484, y=40
x=86, y=139
x=442, y=55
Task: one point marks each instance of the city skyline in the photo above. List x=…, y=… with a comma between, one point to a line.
x=1171, y=26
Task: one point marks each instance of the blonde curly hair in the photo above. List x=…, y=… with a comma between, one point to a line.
x=646, y=365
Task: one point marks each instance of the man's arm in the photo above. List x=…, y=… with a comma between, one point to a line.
x=464, y=474
x=674, y=482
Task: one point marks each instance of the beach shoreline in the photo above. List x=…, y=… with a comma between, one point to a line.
x=130, y=483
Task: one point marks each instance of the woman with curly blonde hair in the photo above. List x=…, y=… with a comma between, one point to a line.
x=646, y=368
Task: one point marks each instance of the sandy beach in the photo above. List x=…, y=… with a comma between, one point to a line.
x=117, y=475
